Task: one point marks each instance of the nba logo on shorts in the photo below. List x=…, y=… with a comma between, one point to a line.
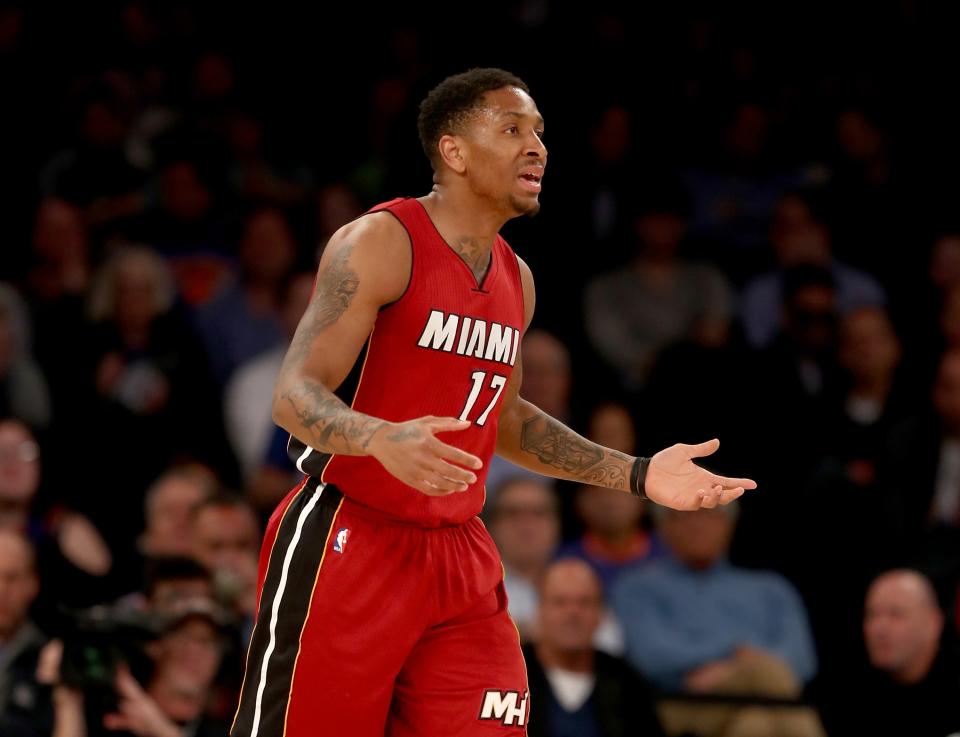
x=341, y=540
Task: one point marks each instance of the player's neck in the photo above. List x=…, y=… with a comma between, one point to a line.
x=466, y=225
x=459, y=215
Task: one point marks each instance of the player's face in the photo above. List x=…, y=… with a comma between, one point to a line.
x=505, y=154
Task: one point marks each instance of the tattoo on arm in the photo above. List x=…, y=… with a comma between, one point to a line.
x=558, y=446
x=336, y=288
x=333, y=427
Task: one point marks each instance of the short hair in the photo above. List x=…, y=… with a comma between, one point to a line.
x=223, y=499
x=454, y=100
x=803, y=276
x=204, y=478
x=173, y=568
x=496, y=500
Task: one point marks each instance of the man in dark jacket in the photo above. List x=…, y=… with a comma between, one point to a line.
x=576, y=691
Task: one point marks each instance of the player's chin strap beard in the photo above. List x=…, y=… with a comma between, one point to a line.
x=638, y=477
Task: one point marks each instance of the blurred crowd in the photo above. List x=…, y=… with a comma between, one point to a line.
x=744, y=235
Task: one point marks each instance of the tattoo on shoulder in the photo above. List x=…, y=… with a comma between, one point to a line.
x=336, y=287
x=560, y=447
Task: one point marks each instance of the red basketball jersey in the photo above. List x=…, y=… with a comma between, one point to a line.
x=446, y=348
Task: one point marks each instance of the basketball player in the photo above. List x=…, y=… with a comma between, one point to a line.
x=382, y=609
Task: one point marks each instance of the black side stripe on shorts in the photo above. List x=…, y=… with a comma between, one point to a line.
x=284, y=605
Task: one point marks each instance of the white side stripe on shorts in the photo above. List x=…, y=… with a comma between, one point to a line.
x=304, y=513
x=303, y=456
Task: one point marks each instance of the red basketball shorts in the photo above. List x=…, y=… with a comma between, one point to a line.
x=369, y=628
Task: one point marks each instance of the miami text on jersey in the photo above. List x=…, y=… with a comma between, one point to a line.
x=470, y=336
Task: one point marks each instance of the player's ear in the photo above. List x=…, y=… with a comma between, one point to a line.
x=452, y=152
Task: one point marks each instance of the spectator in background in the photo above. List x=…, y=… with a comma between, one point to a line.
x=96, y=166
x=175, y=699
x=25, y=708
x=171, y=580
x=23, y=388
x=148, y=385
x=244, y=319
x=611, y=145
x=659, y=298
x=56, y=284
x=69, y=548
x=614, y=540
x=611, y=424
x=864, y=189
x=575, y=690
x=183, y=224
x=524, y=522
x=255, y=176
x=912, y=686
x=247, y=408
x=734, y=193
x=798, y=377
x=855, y=519
x=921, y=471
x=337, y=205
x=547, y=383
x=695, y=623
x=800, y=237
x=168, y=509
x=226, y=539
x=869, y=355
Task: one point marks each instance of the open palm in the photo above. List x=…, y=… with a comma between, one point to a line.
x=675, y=481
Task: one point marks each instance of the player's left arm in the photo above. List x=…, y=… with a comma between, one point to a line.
x=532, y=439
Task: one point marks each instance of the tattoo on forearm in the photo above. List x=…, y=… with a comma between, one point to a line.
x=559, y=446
x=333, y=426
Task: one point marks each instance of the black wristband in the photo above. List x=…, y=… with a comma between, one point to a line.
x=638, y=477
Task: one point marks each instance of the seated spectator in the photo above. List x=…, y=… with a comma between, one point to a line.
x=798, y=378
x=660, y=298
x=870, y=353
x=168, y=508
x=575, y=690
x=243, y=319
x=614, y=540
x=148, y=383
x=23, y=386
x=226, y=539
x=69, y=548
x=174, y=579
x=525, y=524
x=920, y=470
x=173, y=701
x=800, y=236
x=695, y=624
x=912, y=685
x=547, y=382
x=25, y=708
x=247, y=407
x=56, y=284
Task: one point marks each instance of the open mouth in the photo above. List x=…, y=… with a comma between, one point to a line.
x=531, y=180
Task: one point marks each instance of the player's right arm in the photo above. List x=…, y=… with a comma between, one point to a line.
x=365, y=266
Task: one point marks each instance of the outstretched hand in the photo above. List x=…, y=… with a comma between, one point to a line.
x=675, y=481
